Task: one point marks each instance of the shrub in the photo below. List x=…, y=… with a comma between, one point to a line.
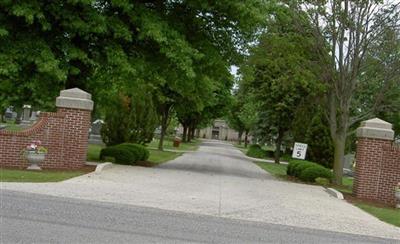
x=270, y=154
x=126, y=153
x=255, y=151
x=141, y=152
x=254, y=147
x=314, y=172
x=308, y=171
x=291, y=166
x=120, y=154
x=299, y=168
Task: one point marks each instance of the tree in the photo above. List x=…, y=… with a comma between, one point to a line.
x=346, y=32
x=233, y=117
x=282, y=73
x=129, y=117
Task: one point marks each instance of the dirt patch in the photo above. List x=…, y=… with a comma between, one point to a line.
x=352, y=199
x=146, y=164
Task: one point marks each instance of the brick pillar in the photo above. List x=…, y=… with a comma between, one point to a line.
x=76, y=105
x=373, y=137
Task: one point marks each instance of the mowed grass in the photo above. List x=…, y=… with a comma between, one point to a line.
x=347, y=185
x=11, y=126
x=156, y=156
x=241, y=147
x=169, y=144
x=11, y=175
x=278, y=170
x=93, y=153
x=388, y=215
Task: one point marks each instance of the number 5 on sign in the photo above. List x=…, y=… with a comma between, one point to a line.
x=299, y=150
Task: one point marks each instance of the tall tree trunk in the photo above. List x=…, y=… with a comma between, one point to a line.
x=193, y=131
x=339, y=144
x=338, y=123
x=246, y=135
x=189, y=134
x=164, y=125
x=185, y=130
x=240, y=133
x=278, y=144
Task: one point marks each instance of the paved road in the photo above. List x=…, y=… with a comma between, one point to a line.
x=31, y=218
x=218, y=181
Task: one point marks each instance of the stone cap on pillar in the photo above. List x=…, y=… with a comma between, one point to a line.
x=74, y=98
x=376, y=128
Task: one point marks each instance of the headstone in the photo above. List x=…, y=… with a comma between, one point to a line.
x=33, y=117
x=95, y=132
x=8, y=115
x=348, y=165
x=26, y=114
x=96, y=127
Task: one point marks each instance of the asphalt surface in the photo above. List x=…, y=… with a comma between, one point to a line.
x=219, y=181
x=34, y=218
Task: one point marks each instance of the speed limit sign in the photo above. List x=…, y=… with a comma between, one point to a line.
x=299, y=150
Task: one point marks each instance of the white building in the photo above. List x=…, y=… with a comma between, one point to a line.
x=219, y=131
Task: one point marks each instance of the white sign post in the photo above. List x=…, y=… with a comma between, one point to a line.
x=299, y=150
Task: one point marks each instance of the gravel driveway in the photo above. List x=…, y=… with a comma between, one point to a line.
x=218, y=180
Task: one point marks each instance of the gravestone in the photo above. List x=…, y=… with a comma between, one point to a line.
x=8, y=115
x=33, y=117
x=95, y=132
x=348, y=165
x=26, y=114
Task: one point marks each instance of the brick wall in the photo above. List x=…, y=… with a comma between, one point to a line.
x=377, y=170
x=64, y=134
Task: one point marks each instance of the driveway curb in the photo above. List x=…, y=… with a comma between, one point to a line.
x=335, y=193
x=103, y=166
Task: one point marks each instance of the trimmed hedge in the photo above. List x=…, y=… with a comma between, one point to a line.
x=126, y=153
x=312, y=173
x=120, y=154
x=139, y=150
x=308, y=171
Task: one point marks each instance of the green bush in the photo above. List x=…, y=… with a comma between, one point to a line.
x=314, y=172
x=120, y=154
x=254, y=147
x=126, y=153
x=141, y=152
x=299, y=168
x=270, y=154
x=255, y=151
x=291, y=166
x=308, y=171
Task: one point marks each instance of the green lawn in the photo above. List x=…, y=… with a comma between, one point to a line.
x=241, y=147
x=278, y=170
x=168, y=144
x=388, y=215
x=93, y=153
x=11, y=126
x=8, y=175
x=347, y=185
x=156, y=156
